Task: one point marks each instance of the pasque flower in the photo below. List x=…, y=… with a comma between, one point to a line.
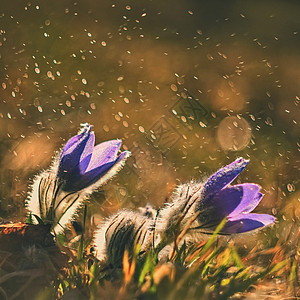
x=81, y=163
x=82, y=167
x=236, y=202
x=203, y=205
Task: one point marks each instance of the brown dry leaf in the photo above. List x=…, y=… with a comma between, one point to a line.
x=162, y=271
x=128, y=268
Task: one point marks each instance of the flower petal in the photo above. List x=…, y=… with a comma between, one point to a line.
x=247, y=222
x=101, y=173
x=69, y=161
x=249, y=200
x=252, y=204
x=87, y=153
x=73, y=141
x=224, y=176
x=231, y=201
x=104, y=153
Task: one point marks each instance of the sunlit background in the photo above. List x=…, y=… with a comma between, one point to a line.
x=187, y=85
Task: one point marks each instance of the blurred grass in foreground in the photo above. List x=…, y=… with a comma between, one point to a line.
x=214, y=269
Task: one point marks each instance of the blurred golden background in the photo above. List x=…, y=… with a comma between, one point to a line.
x=187, y=85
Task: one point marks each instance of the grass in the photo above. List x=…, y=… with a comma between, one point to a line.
x=217, y=268
x=208, y=270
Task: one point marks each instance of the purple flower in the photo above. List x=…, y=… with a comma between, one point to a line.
x=81, y=164
x=220, y=200
x=58, y=193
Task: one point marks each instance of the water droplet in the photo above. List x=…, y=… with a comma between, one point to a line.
x=50, y=75
x=290, y=187
x=174, y=87
x=183, y=119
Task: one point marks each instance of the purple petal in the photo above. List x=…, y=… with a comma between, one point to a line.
x=104, y=153
x=231, y=201
x=95, y=174
x=73, y=141
x=224, y=176
x=249, y=200
x=118, y=164
x=247, y=222
x=69, y=161
x=87, y=153
x=253, y=203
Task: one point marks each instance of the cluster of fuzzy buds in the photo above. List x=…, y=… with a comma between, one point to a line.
x=82, y=167
x=124, y=231
x=198, y=206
